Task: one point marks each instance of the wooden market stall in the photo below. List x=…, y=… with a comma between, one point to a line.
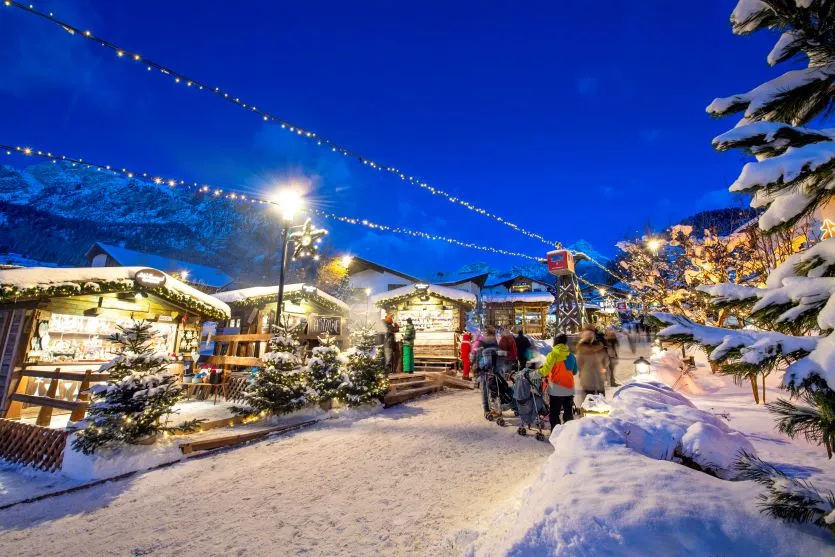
x=528, y=310
x=242, y=339
x=55, y=326
x=439, y=314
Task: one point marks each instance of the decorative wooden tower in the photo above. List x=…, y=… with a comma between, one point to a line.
x=566, y=291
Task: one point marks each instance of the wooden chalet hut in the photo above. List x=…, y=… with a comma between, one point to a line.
x=518, y=301
x=439, y=314
x=242, y=339
x=55, y=325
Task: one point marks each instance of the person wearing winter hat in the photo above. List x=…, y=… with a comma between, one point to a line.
x=559, y=370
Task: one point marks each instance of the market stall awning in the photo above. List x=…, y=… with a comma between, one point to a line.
x=406, y=292
x=33, y=283
x=258, y=295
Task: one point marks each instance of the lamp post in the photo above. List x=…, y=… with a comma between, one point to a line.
x=306, y=239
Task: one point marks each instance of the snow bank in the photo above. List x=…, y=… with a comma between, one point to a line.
x=108, y=463
x=600, y=494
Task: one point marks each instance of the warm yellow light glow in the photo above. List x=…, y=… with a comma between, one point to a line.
x=346, y=261
x=289, y=201
x=654, y=244
x=602, y=291
x=368, y=292
x=184, y=275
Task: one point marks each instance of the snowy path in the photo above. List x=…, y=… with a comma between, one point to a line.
x=397, y=483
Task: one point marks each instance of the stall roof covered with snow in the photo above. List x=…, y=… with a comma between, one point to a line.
x=404, y=293
x=35, y=283
x=259, y=295
x=106, y=255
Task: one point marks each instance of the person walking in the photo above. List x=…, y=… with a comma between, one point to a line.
x=466, y=349
x=610, y=340
x=523, y=347
x=390, y=344
x=559, y=370
x=409, y=347
x=508, y=344
x=592, y=363
x=486, y=343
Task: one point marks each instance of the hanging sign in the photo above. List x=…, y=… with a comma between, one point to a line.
x=326, y=324
x=560, y=262
x=149, y=278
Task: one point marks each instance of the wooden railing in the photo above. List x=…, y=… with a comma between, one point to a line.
x=31, y=445
x=50, y=401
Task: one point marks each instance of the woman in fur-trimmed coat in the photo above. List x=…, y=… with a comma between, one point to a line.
x=592, y=363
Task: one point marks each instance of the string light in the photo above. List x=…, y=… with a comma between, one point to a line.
x=247, y=198
x=291, y=128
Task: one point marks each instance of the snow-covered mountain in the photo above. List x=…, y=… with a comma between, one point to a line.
x=54, y=212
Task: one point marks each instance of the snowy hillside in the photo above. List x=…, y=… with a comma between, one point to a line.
x=54, y=213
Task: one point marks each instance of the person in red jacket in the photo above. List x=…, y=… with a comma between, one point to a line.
x=466, y=348
x=508, y=344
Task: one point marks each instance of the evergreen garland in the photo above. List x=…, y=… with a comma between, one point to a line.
x=140, y=391
x=365, y=379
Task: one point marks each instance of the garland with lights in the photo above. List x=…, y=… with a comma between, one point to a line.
x=11, y=293
x=269, y=117
x=292, y=297
x=222, y=193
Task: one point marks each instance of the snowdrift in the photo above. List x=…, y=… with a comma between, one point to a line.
x=614, y=486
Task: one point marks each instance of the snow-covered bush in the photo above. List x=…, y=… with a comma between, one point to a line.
x=364, y=380
x=325, y=370
x=138, y=394
x=282, y=386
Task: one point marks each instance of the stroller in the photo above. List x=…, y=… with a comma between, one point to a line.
x=496, y=394
x=531, y=404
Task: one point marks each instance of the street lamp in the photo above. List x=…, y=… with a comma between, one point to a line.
x=306, y=239
x=346, y=261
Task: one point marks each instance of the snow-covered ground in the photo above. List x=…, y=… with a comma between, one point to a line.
x=598, y=496
x=400, y=482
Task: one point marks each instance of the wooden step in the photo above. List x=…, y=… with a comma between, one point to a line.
x=401, y=377
x=457, y=382
x=406, y=385
x=399, y=397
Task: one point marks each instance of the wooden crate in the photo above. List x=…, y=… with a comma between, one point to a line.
x=32, y=445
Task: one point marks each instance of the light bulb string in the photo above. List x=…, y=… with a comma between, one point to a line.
x=226, y=193
x=267, y=116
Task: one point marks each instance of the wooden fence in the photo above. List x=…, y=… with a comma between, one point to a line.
x=32, y=445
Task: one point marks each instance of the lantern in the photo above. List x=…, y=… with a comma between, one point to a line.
x=642, y=366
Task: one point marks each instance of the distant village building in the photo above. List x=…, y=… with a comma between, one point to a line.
x=376, y=278
x=518, y=302
x=207, y=279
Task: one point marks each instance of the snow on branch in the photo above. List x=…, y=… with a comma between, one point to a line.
x=764, y=97
x=792, y=165
x=769, y=137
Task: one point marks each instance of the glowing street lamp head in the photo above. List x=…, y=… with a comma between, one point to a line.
x=289, y=202
x=654, y=244
x=346, y=261
x=601, y=291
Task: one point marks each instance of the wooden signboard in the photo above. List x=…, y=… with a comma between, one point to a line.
x=320, y=324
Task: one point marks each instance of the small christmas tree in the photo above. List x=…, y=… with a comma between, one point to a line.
x=365, y=379
x=139, y=392
x=282, y=385
x=324, y=369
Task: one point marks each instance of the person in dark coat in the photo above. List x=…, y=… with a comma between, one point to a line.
x=390, y=344
x=409, y=347
x=508, y=344
x=523, y=346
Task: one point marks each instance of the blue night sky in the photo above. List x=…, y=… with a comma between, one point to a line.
x=575, y=119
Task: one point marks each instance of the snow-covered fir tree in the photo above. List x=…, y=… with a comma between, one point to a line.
x=365, y=379
x=325, y=369
x=791, y=177
x=140, y=391
x=282, y=386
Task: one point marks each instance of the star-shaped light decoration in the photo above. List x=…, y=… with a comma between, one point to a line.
x=307, y=240
x=828, y=229
x=422, y=291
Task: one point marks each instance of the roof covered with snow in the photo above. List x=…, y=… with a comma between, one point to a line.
x=39, y=282
x=438, y=290
x=511, y=279
x=257, y=294
x=196, y=273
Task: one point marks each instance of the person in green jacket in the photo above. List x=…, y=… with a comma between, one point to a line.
x=409, y=347
x=559, y=370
